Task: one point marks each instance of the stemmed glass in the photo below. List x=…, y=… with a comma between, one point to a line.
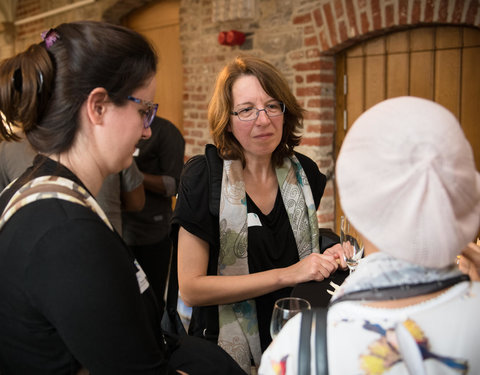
x=351, y=243
x=284, y=309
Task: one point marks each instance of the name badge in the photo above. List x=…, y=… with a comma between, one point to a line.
x=141, y=278
x=253, y=220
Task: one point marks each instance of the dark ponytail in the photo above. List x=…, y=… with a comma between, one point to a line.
x=25, y=87
x=43, y=88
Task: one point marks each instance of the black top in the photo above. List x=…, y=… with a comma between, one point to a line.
x=271, y=245
x=161, y=155
x=69, y=293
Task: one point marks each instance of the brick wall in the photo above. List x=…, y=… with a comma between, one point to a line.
x=18, y=37
x=300, y=37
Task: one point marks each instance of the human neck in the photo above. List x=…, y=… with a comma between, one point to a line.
x=369, y=248
x=84, y=167
x=259, y=169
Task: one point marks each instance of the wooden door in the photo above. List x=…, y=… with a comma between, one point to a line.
x=437, y=63
x=159, y=22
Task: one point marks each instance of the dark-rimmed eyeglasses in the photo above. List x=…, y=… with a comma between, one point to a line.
x=149, y=113
x=251, y=113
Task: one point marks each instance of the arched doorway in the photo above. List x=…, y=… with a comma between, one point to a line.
x=438, y=63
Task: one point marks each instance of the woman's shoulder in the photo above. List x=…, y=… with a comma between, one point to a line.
x=204, y=173
x=54, y=211
x=310, y=167
x=196, y=164
x=316, y=178
x=206, y=162
x=194, y=173
x=304, y=160
x=49, y=221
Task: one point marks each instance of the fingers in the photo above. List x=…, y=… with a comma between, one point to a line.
x=469, y=261
x=325, y=265
x=313, y=267
x=322, y=274
x=468, y=268
x=472, y=252
x=337, y=251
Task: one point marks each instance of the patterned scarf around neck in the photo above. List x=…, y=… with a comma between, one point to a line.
x=238, y=333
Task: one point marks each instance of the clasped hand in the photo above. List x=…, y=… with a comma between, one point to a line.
x=318, y=266
x=469, y=261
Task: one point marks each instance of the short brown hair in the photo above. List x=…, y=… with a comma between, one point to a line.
x=275, y=85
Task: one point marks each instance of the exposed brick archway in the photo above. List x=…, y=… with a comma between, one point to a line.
x=334, y=25
x=339, y=24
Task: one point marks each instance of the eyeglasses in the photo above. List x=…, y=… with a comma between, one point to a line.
x=251, y=113
x=149, y=114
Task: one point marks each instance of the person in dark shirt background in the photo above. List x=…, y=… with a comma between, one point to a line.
x=160, y=159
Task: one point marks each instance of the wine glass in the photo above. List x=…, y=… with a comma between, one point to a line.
x=284, y=309
x=351, y=243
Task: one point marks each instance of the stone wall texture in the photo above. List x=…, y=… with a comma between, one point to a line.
x=300, y=37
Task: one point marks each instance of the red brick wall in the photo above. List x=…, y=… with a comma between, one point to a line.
x=300, y=38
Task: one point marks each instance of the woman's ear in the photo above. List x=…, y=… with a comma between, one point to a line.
x=96, y=105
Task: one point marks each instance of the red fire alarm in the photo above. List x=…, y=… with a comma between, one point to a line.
x=231, y=38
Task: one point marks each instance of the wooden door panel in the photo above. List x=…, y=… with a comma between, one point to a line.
x=447, y=79
x=448, y=37
x=421, y=74
x=375, y=79
x=397, y=42
x=436, y=63
x=355, y=100
x=397, y=74
x=168, y=93
x=159, y=22
x=470, y=110
x=422, y=39
x=470, y=37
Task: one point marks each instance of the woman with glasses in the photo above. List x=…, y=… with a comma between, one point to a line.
x=72, y=296
x=246, y=212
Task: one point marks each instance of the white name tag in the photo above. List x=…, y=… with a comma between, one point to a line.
x=253, y=220
x=141, y=278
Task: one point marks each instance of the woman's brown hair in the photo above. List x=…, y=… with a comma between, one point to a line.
x=221, y=104
x=43, y=88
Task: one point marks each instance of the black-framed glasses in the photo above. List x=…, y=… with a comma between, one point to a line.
x=251, y=113
x=149, y=114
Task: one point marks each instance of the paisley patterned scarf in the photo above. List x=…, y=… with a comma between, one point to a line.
x=238, y=333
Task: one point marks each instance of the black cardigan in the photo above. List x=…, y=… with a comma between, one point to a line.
x=200, y=187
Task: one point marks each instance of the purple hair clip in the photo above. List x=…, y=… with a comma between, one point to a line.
x=50, y=37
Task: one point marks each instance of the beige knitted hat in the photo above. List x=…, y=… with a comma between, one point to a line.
x=407, y=181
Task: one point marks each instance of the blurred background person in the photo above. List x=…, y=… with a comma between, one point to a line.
x=15, y=157
x=160, y=159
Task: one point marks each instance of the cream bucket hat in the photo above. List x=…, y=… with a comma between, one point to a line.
x=407, y=181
